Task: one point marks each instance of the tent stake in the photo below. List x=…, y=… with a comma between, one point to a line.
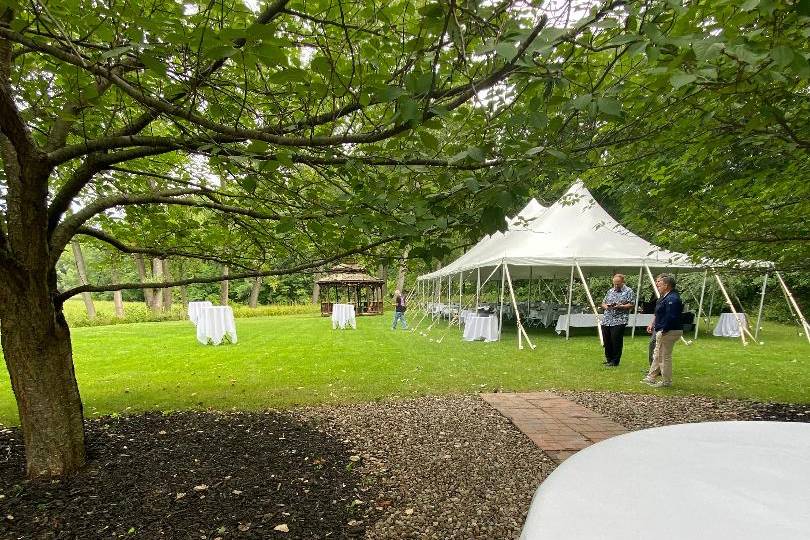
x=731, y=305
x=700, y=303
x=761, y=304
x=517, y=313
x=792, y=301
x=593, y=306
x=635, y=309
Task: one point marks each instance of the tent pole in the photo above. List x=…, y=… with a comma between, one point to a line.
x=478, y=289
x=460, y=293
x=761, y=305
x=792, y=301
x=711, y=306
x=449, y=300
x=500, y=317
x=593, y=306
x=529, y=294
x=635, y=309
x=517, y=313
x=700, y=303
x=731, y=305
x=570, y=298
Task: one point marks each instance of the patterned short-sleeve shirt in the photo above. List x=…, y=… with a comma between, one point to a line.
x=615, y=317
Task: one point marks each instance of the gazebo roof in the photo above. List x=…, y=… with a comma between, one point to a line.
x=348, y=274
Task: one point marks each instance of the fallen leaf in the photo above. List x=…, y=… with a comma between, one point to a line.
x=179, y=496
x=161, y=432
x=244, y=527
x=236, y=492
x=281, y=528
x=408, y=511
x=201, y=487
x=354, y=458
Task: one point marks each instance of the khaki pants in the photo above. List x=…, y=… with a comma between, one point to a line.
x=662, y=356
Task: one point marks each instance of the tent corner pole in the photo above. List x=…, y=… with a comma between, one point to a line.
x=792, y=301
x=761, y=305
x=570, y=299
x=517, y=313
x=500, y=316
x=731, y=306
x=635, y=309
x=593, y=305
x=700, y=303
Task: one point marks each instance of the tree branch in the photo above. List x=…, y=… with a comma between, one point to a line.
x=60, y=298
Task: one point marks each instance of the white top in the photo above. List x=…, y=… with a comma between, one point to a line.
x=740, y=480
x=476, y=327
x=214, y=323
x=194, y=309
x=343, y=315
x=728, y=326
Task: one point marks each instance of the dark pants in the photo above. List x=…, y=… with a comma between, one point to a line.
x=614, y=339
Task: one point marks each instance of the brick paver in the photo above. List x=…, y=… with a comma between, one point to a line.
x=557, y=425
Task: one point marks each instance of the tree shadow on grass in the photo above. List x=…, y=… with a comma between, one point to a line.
x=189, y=475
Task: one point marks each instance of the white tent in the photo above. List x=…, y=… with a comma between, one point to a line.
x=572, y=237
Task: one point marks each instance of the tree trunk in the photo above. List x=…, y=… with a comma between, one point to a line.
x=223, y=288
x=148, y=293
x=118, y=300
x=37, y=352
x=253, y=301
x=183, y=288
x=157, y=295
x=383, y=273
x=403, y=269
x=167, y=292
x=316, y=289
x=82, y=268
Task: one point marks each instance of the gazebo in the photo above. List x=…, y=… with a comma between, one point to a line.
x=351, y=284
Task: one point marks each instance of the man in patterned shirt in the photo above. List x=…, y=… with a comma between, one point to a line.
x=617, y=305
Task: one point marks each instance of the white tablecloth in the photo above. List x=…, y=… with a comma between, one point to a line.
x=585, y=320
x=342, y=315
x=740, y=480
x=194, y=309
x=213, y=323
x=727, y=325
x=485, y=328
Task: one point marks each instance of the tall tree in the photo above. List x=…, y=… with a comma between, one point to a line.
x=120, y=111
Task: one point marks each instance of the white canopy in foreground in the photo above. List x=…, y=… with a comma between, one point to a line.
x=575, y=229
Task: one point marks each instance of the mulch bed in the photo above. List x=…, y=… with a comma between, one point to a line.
x=440, y=468
x=189, y=475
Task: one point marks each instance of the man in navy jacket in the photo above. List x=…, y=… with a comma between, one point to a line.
x=668, y=330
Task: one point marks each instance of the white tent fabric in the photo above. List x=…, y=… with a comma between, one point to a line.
x=531, y=212
x=575, y=229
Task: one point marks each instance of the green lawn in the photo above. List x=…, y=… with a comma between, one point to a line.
x=287, y=360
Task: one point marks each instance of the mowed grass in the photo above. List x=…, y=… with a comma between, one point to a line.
x=291, y=360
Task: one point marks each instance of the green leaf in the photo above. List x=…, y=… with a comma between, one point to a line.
x=557, y=154
x=270, y=54
x=153, y=64
x=782, y=56
x=257, y=147
x=429, y=140
x=472, y=184
x=609, y=106
x=680, y=79
x=749, y=5
x=284, y=157
x=506, y=49
x=536, y=150
x=581, y=102
x=802, y=7
x=475, y=153
x=219, y=52
x=285, y=225
x=322, y=65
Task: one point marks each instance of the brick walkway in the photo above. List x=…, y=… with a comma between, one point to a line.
x=557, y=425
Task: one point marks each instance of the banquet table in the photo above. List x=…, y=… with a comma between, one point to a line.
x=727, y=325
x=214, y=323
x=585, y=320
x=741, y=480
x=485, y=328
x=194, y=309
x=343, y=315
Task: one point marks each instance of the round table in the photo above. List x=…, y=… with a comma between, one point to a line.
x=727, y=325
x=485, y=328
x=741, y=480
x=214, y=323
x=343, y=315
x=194, y=309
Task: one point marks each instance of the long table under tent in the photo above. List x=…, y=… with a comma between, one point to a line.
x=562, y=246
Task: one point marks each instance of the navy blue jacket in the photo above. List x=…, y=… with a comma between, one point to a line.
x=668, y=312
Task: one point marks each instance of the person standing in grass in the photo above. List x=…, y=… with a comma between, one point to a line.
x=617, y=305
x=399, y=311
x=668, y=329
